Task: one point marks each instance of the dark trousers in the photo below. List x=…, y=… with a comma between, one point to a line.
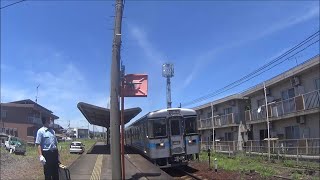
x=51, y=168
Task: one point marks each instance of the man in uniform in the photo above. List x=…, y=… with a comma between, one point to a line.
x=46, y=142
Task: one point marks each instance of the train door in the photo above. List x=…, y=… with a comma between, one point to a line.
x=176, y=136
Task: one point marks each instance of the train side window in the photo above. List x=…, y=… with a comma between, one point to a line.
x=144, y=130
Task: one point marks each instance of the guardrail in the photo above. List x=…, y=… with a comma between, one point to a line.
x=298, y=103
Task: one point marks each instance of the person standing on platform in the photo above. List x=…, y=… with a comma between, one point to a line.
x=47, y=144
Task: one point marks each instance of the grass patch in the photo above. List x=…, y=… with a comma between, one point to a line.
x=297, y=176
x=289, y=163
x=65, y=157
x=260, y=164
x=301, y=164
x=239, y=163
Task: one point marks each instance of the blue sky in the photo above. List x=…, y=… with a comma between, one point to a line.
x=66, y=48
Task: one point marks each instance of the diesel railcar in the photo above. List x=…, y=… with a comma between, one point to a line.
x=168, y=137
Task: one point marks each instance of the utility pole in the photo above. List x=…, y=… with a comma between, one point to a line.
x=37, y=94
x=114, y=94
x=212, y=121
x=267, y=111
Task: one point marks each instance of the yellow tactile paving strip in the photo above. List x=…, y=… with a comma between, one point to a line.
x=96, y=173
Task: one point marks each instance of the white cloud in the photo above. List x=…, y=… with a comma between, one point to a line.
x=60, y=90
x=140, y=35
x=310, y=13
x=12, y=94
x=66, y=84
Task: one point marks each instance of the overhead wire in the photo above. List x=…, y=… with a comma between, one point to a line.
x=228, y=87
x=12, y=4
x=224, y=89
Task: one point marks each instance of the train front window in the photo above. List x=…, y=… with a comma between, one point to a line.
x=175, y=127
x=190, y=125
x=157, y=128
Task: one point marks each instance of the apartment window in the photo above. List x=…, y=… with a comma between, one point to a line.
x=3, y=114
x=227, y=110
x=263, y=134
x=209, y=115
x=30, y=131
x=317, y=82
x=292, y=132
x=228, y=136
x=287, y=94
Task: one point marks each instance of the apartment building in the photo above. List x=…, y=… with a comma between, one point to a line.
x=293, y=104
x=293, y=99
x=23, y=118
x=224, y=118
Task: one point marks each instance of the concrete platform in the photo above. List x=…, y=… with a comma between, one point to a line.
x=96, y=164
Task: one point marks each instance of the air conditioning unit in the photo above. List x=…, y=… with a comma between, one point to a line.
x=301, y=119
x=295, y=81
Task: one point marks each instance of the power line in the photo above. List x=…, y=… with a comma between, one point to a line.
x=270, y=67
x=238, y=82
x=12, y=4
x=226, y=88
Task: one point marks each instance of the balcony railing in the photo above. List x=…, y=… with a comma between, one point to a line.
x=302, y=102
x=222, y=120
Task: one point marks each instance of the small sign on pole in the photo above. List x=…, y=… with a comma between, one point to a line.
x=136, y=85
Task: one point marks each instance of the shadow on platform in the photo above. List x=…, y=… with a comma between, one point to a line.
x=140, y=175
x=105, y=149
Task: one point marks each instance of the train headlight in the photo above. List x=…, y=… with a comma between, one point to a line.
x=190, y=141
x=160, y=145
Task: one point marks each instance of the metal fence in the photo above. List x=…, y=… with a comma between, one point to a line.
x=221, y=120
x=302, y=102
x=288, y=148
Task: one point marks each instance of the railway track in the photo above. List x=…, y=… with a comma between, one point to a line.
x=185, y=173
